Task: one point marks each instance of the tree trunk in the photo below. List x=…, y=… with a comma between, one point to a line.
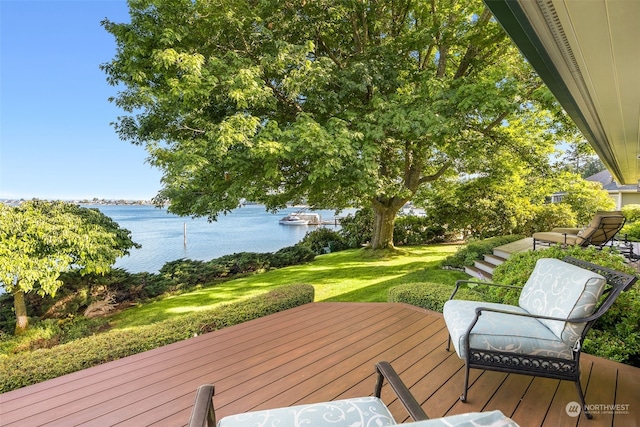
x=22, y=321
x=384, y=217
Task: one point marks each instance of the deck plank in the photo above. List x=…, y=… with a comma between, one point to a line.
x=317, y=352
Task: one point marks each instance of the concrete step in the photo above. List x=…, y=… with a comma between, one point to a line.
x=477, y=273
x=505, y=251
x=494, y=259
x=485, y=266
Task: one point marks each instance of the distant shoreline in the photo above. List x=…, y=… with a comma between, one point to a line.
x=94, y=201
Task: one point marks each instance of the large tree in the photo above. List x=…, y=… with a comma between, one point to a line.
x=39, y=240
x=332, y=103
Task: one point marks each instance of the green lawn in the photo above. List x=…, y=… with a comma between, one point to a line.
x=347, y=276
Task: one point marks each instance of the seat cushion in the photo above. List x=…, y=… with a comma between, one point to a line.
x=361, y=411
x=557, y=237
x=559, y=289
x=471, y=419
x=501, y=332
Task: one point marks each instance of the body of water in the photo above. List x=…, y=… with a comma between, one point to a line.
x=161, y=234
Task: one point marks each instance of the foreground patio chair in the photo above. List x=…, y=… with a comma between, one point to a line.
x=542, y=336
x=600, y=231
x=361, y=411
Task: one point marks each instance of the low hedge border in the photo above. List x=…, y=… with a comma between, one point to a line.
x=25, y=369
x=429, y=295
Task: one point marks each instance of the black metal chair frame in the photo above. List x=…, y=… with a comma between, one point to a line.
x=203, y=413
x=536, y=365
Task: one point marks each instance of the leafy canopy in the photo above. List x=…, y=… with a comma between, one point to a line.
x=335, y=103
x=39, y=240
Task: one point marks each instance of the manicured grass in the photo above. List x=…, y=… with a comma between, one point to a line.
x=346, y=276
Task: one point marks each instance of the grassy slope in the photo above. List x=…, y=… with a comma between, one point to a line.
x=347, y=276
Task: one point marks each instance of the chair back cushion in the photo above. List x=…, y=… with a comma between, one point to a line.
x=559, y=289
x=602, y=228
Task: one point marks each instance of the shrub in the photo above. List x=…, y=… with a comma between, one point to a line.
x=632, y=231
x=88, y=291
x=631, y=212
x=29, y=368
x=292, y=255
x=430, y=296
x=616, y=335
x=548, y=216
x=321, y=238
x=473, y=251
x=417, y=230
x=357, y=229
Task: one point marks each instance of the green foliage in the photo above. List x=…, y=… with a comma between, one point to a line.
x=321, y=238
x=632, y=227
x=431, y=296
x=548, y=216
x=24, y=369
x=292, y=255
x=473, y=251
x=584, y=197
x=39, y=240
x=616, y=335
x=100, y=294
x=335, y=103
x=356, y=229
x=631, y=212
x=417, y=230
x=631, y=231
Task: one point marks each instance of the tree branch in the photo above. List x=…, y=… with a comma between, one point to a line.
x=473, y=48
x=283, y=98
x=438, y=174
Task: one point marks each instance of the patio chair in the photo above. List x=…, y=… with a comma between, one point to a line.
x=542, y=336
x=600, y=231
x=360, y=411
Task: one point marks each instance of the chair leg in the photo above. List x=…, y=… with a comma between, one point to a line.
x=463, y=398
x=449, y=343
x=582, y=402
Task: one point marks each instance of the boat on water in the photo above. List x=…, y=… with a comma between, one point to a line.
x=293, y=220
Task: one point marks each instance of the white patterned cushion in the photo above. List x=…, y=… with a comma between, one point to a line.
x=501, y=332
x=362, y=411
x=559, y=289
x=471, y=419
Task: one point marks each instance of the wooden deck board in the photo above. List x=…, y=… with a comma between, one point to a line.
x=317, y=352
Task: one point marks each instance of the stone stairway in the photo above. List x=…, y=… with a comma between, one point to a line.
x=483, y=269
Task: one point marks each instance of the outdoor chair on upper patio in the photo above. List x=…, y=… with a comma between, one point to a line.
x=361, y=411
x=600, y=231
x=542, y=336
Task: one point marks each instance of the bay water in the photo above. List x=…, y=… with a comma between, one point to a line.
x=249, y=228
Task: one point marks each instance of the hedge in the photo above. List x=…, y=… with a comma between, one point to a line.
x=24, y=369
x=431, y=296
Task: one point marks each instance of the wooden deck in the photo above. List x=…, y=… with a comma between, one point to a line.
x=317, y=352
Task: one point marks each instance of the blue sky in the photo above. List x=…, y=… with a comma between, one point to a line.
x=56, y=141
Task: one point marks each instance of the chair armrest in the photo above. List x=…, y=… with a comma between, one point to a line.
x=463, y=283
x=202, y=414
x=386, y=371
x=479, y=311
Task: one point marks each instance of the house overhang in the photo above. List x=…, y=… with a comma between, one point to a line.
x=588, y=54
